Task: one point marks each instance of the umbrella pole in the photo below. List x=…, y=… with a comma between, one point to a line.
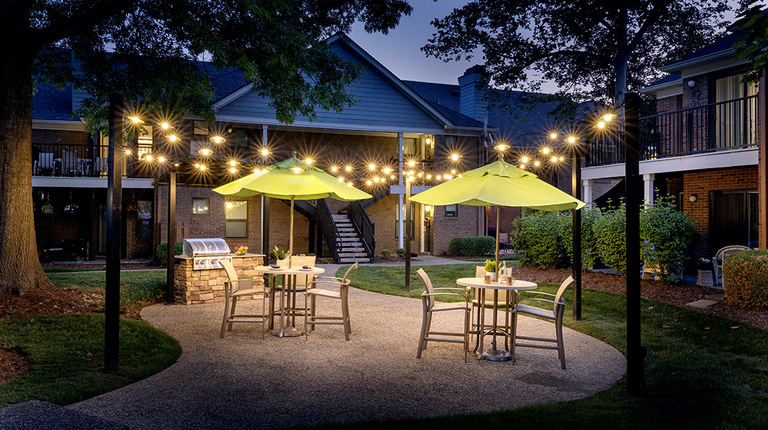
x=290, y=240
x=497, y=243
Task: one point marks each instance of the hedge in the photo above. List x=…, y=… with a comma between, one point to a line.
x=745, y=276
x=475, y=245
x=162, y=251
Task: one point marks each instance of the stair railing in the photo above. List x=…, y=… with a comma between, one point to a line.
x=328, y=226
x=364, y=227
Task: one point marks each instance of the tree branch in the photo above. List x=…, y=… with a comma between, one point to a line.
x=83, y=18
x=653, y=16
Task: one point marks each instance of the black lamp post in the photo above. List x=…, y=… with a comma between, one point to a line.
x=169, y=290
x=114, y=234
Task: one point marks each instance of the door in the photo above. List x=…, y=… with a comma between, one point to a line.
x=733, y=219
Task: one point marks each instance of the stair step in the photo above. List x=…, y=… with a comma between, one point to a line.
x=344, y=225
x=353, y=254
x=340, y=217
x=352, y=249
x=347, y=234
x=354, y=260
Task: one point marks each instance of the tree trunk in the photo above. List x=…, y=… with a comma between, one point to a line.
x=19, y=263
x=622, y=56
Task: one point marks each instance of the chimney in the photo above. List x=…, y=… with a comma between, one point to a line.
x=472, y=93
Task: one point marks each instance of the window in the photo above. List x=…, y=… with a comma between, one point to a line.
x=452, y=211
x=145, y=141
x=201, y=206
x=736, y=121
x=236, y=214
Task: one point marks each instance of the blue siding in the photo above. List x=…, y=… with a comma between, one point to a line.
x=380, y=104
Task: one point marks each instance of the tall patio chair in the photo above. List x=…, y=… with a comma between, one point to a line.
x=234, y=288
x=69, y=163
x=342, y=294
x=719, y=259
x=556, y=315
x=430, y=306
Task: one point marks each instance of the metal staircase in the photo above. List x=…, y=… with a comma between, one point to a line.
x=349, y=243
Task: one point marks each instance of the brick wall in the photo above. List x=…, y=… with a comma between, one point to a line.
x=446, y=228
x=697, y=95
x=701, y=183
x=669, y=104
x=61, y=137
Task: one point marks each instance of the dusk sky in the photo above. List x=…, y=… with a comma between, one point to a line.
x=400, y=50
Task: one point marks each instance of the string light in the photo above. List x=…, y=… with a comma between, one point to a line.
x=387, y=170
x=165, y=126
x=264, y=152
x=411, y=163
x=348, y=168
x=371, y=166
x=232, y=170
x=232, y=163
x=172, y=138
x=553, y=136
x=341, y=179
x=455, y=157
x=128, y=152
x=218, y=139
x=334, y=169
x=309, y=161
x=161, y=159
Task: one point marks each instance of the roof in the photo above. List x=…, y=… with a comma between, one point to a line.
x=525, y=129
x=720, y=48
x=669, y=80
x=53, y=104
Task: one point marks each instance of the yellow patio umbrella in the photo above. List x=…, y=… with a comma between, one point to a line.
x=499, y=184
x=295, y=180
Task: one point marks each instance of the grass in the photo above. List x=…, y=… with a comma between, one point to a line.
x=702, y=371
x=136, y=286
x=67, y=356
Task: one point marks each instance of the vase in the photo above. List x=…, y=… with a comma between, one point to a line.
x=284, y=262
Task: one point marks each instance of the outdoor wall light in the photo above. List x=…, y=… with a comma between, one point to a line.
x=691, y=83
x=693, y=197
x=218, y=139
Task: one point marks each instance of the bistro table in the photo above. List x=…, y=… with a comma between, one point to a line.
x=495, y=354
x=287, y=296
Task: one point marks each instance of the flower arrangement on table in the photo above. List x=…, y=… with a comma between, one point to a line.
x=490, y=266
x=241, y=250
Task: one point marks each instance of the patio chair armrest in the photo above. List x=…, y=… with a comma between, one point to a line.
x=538, y=293
x=536, y=299
x=425, y=294
x=450, y=289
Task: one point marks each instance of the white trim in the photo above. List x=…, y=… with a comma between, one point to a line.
x=648, y=188
x=687, y=163
x=326, y=125
x=665, y=85
x=67, y=182
x=673, y=67
x=245, y=89
x=56, y=124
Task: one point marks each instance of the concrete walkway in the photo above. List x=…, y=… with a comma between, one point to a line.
x=246, y=381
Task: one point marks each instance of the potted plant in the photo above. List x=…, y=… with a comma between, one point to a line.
x=490, y=268
x=281, y=257
x=47, y=209
x=704, y=275
x=71, y=208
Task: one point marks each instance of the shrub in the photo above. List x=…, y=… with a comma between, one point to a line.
x=589, y=217
x=400, y=251
x=666, y=234
x=147, y=290
x=162, y=251
x=611, y=238
x=386, y=252
x=537, y=234
x=474, y=245
x=746, y=279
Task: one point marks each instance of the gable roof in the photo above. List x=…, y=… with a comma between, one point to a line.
x=525, y=129
x=51, y=103
x=720, y=48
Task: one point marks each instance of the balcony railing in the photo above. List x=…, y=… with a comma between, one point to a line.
x=714, y=127
x=79, y=161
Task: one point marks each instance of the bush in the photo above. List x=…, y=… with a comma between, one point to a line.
x=589, y=217
x=665, y=234
x=611, y=238
x=386, y=252
x=538, y=234
x=400, y=251
x=475, y=245
x=162, y=251
x=148, y=290
x=746, y=279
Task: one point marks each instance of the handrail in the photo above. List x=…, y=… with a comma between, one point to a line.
x=82, y=160
x=364, y=227
x=329, y=228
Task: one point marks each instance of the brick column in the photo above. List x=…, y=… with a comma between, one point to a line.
x=762, y=196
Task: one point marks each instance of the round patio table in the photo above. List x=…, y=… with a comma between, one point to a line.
x=493, y=353
x=287, y=296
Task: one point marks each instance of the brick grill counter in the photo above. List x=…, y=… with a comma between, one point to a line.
x=207, y=286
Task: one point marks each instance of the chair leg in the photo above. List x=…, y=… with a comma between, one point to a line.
x=429, y=324
x=560, y=346
x=424, y=329
x=232, y=312
x=345, y=316
x=226, y=316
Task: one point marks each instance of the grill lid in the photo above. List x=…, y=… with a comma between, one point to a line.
x=205, y=247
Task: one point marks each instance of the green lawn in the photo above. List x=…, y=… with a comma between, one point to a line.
x=93, y=281
x=702, y=371
x=67, y=356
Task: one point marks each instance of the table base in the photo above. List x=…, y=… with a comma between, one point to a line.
x=287, y=332
x=495, y=355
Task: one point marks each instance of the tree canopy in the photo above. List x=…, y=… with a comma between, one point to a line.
x=753, y=41
x=590, y=48
x=153, y=52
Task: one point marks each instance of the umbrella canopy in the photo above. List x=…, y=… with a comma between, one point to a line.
x=295, y=180
x=499, y=184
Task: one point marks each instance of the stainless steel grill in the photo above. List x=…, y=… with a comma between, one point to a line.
x=206, y=253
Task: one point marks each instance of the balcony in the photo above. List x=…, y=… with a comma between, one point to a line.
x=88, y=161
x=715, y=127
